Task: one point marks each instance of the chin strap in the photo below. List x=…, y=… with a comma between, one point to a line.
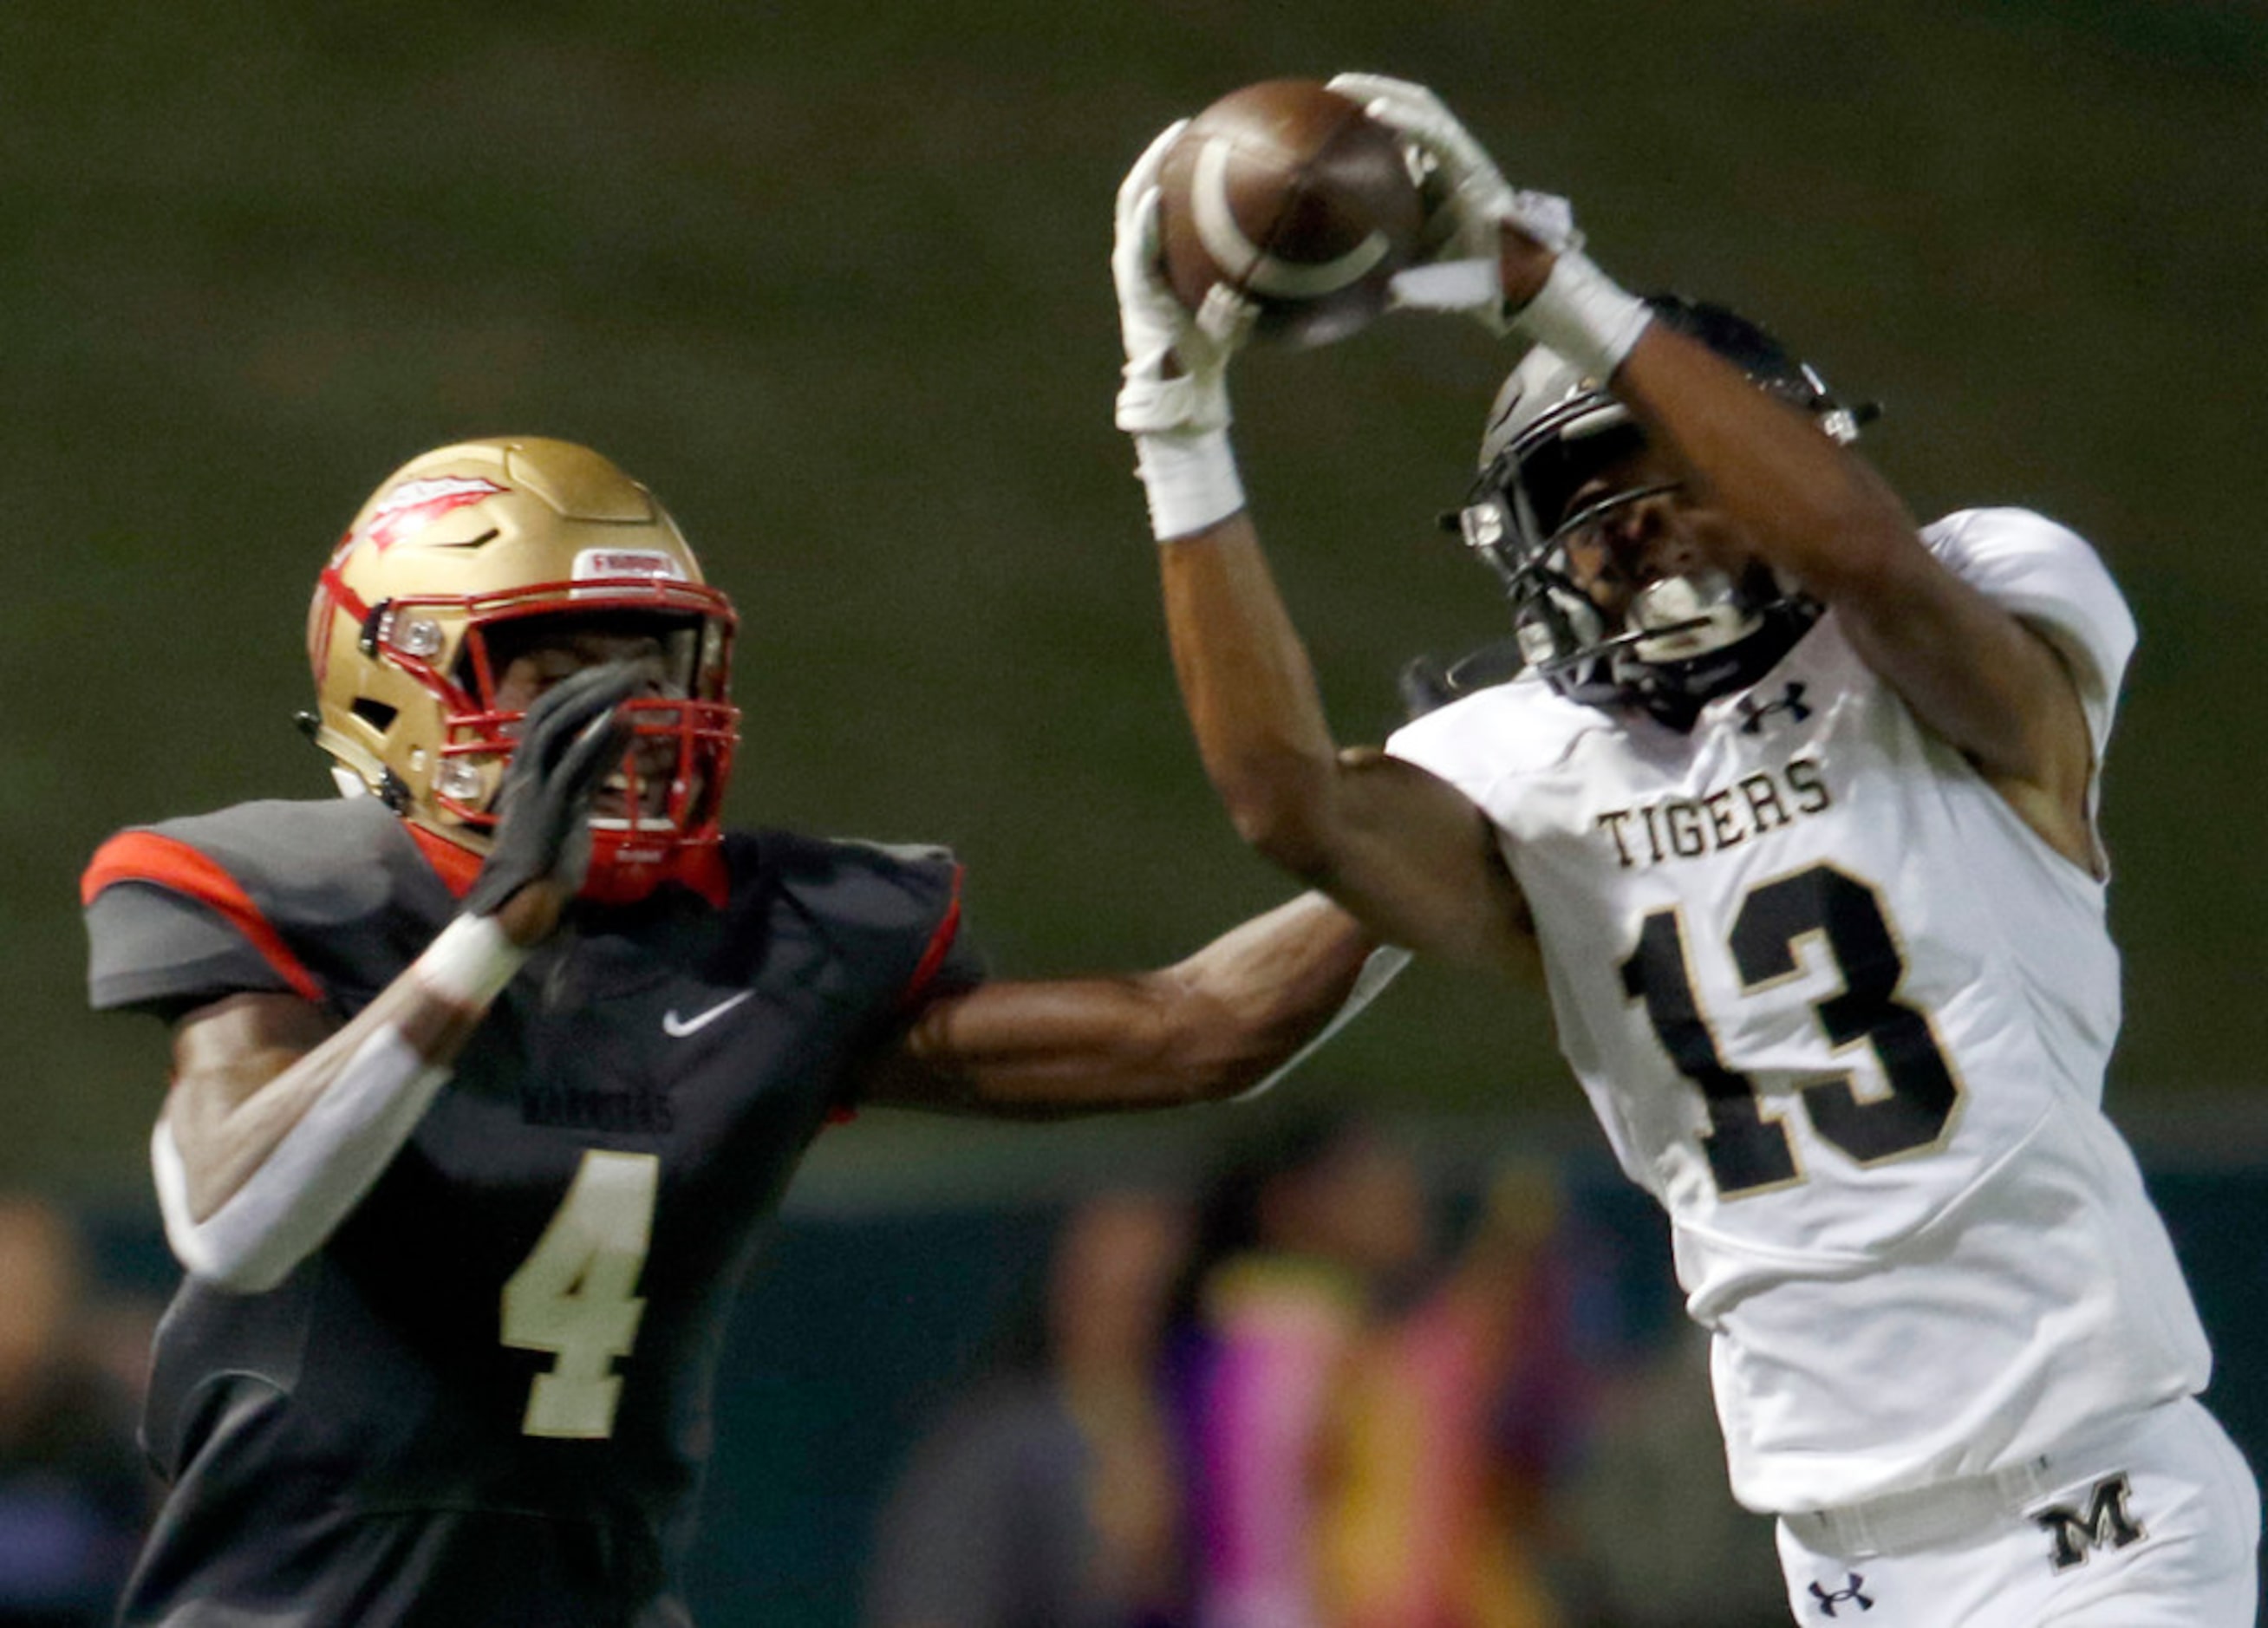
x=1672, y=693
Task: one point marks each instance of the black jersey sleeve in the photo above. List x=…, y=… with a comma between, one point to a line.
x=151, y=949
x=885, y=918
x=170, y=927
x=325, y=899
x=931, y=878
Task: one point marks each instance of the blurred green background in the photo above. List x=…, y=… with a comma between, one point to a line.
x=832, y=279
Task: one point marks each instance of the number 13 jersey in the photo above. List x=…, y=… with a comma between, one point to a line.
x=1847, y=1017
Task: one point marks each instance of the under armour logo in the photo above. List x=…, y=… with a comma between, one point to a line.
x=1848, y=1595
x=1753, y=711
x=2105, y=1525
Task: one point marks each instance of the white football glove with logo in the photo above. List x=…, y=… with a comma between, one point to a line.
x=1469, y=198
x=1176, y=378
x=1174, y=399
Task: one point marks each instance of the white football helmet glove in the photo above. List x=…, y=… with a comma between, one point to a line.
x=1176, y=374
x=1469, y=197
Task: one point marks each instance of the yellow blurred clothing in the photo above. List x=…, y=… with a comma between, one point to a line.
x=1132, y=1486
x=1423, y=1526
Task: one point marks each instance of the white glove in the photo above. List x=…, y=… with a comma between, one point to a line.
x=1469, y=197
x=1176, y=376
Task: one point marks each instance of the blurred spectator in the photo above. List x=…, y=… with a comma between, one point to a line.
x=1663, y=1544
x=1049, y=1497
x=74, y=1493
x=1303, y=1235
x=1459, y=1415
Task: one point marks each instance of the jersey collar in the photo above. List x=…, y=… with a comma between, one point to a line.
x=703, y=869
x=455, y=866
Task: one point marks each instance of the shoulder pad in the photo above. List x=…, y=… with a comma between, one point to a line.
x=333, y=896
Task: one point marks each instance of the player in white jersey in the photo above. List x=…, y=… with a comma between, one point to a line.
x=1792, y=801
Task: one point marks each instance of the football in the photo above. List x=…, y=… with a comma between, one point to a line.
x=1292, y=195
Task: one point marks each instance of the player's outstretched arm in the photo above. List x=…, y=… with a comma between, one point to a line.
x=1980, y=678
x=1972, y=672
x=279, y=1119
x=1407, y=854
x=1975, y=674
x=1210, y=1027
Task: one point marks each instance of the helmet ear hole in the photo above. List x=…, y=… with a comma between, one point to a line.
x=377, y=714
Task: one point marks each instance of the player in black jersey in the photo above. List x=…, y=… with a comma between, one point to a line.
x=487, y=1077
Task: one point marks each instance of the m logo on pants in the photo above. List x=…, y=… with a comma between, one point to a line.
x=2105, y=1525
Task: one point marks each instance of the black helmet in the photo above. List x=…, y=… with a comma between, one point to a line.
x=1687, y=638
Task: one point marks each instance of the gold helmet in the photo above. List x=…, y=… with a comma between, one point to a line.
x=458, y=558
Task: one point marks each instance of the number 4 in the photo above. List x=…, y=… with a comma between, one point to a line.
x=575, y=1293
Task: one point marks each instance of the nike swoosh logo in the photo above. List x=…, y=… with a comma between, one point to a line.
x=678, y=1028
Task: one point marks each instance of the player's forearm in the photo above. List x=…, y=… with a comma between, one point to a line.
x=1250, y=694
x=1807, y=506
x=1276, y=987
x=1053, y=1049
x=1823, y=515
x=227, y=1119
x=1805, y=503
x=1204, y=1029
x=252, y=1173
x=1214, y=1025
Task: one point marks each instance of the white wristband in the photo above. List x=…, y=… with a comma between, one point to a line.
x=470, y=963
x=1190, y=480
x=1583, y=314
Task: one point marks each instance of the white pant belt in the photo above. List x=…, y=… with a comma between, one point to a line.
x=1899, y=1522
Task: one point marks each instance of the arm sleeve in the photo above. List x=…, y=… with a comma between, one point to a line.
x=2048, y=576
x=873, y=926
x=1438, y=744
x=895, y=908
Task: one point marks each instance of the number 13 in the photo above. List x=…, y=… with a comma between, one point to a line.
x=1748, y=1153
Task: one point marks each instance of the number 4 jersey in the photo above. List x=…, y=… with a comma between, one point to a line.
x=487, y=1398
x=1848, y=1017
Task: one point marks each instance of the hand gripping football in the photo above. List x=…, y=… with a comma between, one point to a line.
x=1292, y=196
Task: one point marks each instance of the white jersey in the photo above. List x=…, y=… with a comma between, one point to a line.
x=1847, y=1017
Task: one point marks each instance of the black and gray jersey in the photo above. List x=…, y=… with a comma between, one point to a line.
x=486, y=1399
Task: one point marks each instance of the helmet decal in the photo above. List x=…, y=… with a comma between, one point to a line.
x=626, y=563
x=413, y=506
